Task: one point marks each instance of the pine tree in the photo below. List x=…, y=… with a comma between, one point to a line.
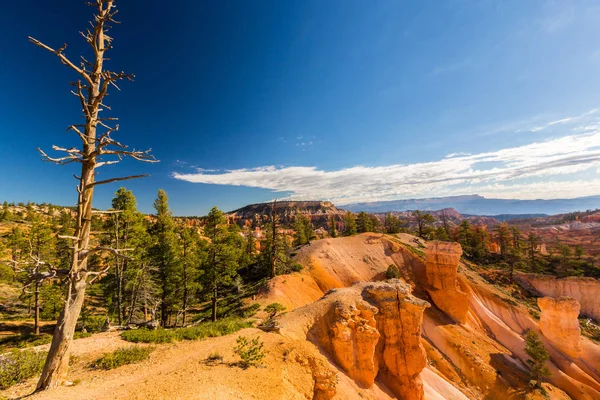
x=424, y=221
x=441, y=234
x=124, y=228
x=223, y=253
x=391, y=224
x=6, y=215
x=332, y=227
x=193, y=254
x=364, y=223
x=503, y=236
x=349, y=224
x=303, y=230
x=299, y=232
x=532, y=243
x=248, y=256
x=165, y=255
x=42, y=247
x=538, y=356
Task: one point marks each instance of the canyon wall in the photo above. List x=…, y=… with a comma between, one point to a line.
x=441, y=267
x=585, y=290
x=559, y=323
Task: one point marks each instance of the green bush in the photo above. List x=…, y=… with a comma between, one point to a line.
x=24, y=340
x=30, y=340
x=149, y=336
x=123, y=356
x=392, y=272
x=19, y=365
x=206, y=329
x=251, y=352
x=274, y=308
x=250, y=310
x=295, y=267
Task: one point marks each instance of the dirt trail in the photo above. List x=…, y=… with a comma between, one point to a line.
x=180, y=371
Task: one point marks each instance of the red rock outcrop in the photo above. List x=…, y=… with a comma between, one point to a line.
x=350, y=339
x=559, y=323
x=585, y=290
x=400, y=356
x=441, y=267
x=372, y=331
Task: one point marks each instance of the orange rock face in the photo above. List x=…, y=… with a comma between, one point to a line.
x=352, y=339
x=441, y=267
x=559, y=323
x=400, y=355
x=373, y=331
x=585, y=290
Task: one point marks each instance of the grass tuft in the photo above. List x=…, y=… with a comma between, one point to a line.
x=17, y=366
x=122, y=356
x=201, y=331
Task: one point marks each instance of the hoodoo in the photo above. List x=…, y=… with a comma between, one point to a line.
x=400, y=355
x=559, y=323
x=441, y=267
x=372, y=331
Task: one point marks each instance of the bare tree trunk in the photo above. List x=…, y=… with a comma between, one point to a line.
x=91, y=90
x=36, y=317
x=57, y=363
x=214, y=304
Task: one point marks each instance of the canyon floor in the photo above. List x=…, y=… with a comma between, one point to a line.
x=440, y=331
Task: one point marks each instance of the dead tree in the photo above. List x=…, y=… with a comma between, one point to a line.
x=98, y=149
x=37, y=272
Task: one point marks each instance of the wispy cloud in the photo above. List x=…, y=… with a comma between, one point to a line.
x=529, y=171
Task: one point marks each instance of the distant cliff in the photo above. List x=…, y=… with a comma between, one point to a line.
x=318, y=212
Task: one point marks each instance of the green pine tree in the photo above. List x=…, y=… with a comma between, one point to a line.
x=165, y=256
x=223, y=253
x=538, y=356
x=364, y=223
x=349, y=224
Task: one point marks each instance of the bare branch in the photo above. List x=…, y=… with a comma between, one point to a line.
x=117, y=252
x=117, y=179
x=62, y=57
x=139, y=155
x=60, y=160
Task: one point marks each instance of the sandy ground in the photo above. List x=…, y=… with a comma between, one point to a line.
x=180, y=371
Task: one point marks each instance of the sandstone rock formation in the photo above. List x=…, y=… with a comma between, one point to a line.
x=559, y=323
x=399, y=354
x=441, y=267
x=351, y=338
x=372, y=331
x=585, y=290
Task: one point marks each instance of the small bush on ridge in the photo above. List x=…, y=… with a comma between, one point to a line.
x=251, y=352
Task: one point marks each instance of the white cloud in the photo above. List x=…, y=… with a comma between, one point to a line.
x=529, y=171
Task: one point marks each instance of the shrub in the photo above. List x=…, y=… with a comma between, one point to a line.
x=18, y=366
x=274, y=308
x=392, y=272
x=149, y=336
x=24, y=340
x=251, y=352
x=295, y=267
x=214, y=358
x=250, y=310
x=123, y=356
x=206, y=329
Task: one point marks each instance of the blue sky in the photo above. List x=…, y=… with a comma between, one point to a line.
x=342, y=100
